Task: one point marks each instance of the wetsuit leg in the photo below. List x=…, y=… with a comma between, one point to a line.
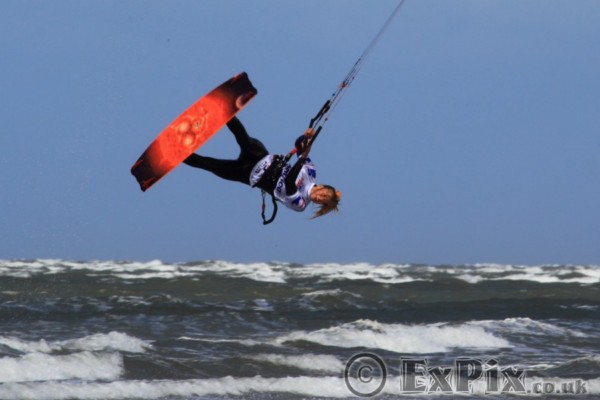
x=231, y=170
x=249, y=146
x=251, y=152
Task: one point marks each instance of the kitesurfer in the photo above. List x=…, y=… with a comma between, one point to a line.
x=294, y=186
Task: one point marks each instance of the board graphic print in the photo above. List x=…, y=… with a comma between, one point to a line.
x=192, y=129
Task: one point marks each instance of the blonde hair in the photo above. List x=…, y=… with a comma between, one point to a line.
x=329, y=205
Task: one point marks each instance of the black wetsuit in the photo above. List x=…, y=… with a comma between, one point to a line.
x=251, y=152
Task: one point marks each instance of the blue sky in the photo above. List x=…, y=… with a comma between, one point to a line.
x=471, y=135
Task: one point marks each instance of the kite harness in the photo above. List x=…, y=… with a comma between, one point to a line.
x=272, y=174
x=268, y=181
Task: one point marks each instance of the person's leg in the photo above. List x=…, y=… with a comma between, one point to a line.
x=251, y=152
x=241, y=135
x=250, y=148
x=231, y=170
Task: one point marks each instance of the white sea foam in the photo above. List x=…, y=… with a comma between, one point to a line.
x=281, y=272
x=541, y=274
x=330, y=292
x=262, y=272
x=586, y=307
x=262, y=305
x=227, y=386
x=385, y=273
x=373, y=335
x=312, y=300
x=527, y=326
x=400, y=338
x=93, y=357
x=311, y=362
x=43, y=367
x=592, y=358
x=40, y=346
x=322, y=387
x=471, y=278
x=112, y=341
x=244, y=342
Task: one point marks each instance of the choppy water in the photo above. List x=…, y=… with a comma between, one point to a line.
x=215, y=329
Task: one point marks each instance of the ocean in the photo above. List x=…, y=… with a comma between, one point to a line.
x=276, y=330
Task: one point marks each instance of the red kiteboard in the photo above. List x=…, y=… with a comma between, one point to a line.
x=192, y=129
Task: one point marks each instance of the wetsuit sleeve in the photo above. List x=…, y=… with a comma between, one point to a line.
x=290, y=180
x=300, y=145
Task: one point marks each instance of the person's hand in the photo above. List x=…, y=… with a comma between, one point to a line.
x=310, y=132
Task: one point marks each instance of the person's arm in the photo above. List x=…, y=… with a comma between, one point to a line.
x=302, y=150
x=302, y=146
x=290, y=179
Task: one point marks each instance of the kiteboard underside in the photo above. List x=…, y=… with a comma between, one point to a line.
x=192, y=129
